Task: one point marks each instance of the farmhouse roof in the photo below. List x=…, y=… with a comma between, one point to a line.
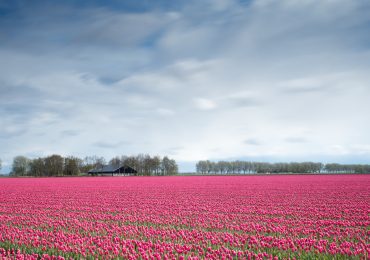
x=111, y=168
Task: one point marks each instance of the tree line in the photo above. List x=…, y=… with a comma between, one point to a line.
x=248, y=167
x=57, y=165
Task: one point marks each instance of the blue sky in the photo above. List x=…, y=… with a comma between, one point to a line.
x=256, y=80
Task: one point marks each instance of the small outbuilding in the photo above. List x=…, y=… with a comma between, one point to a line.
x=113, y=170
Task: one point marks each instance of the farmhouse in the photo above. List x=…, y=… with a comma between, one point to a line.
x=113, y=170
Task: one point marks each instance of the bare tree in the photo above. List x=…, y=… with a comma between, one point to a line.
x=72, y=166
x=156, y=164
x=169, y=166
x=202, y=167
x=37, y=167
x=115, y=161
x=20, y=166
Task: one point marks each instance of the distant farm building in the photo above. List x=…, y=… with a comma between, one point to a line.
x=113, y=170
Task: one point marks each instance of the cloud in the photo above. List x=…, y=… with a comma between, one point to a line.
x=295, y=140
x=173, y=151
x=107, y=28
x=252, y=141
x=304, y=85
x=108, y=145
x=165, y=112
x=70, y=133
x=204, y=104
x=79, y=79
x=11, y=131
x=241, y=100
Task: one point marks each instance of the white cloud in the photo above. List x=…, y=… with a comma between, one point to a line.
x=204, y=104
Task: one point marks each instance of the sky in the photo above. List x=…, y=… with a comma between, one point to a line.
x=256, y=80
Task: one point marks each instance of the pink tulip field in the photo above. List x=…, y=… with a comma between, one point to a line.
x=186, y=217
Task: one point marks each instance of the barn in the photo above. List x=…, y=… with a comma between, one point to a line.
x=113, y=170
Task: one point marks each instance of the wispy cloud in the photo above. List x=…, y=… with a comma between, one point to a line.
x=110, y=145
x=252, y=141
x=204, y=104
x=70, y=133
x=295, y=140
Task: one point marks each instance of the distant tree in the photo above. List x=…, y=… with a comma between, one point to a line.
x=262, y=167
x=211, y=167
x=115, y=161
x=318, y=167
x=123, y=159
x=202, y=167
x=165, y=165
x=227, y=167
x=92, y=162
x=156, y=164
x=173, y=169
x=238, y=165
x=169, y=166
x=20, y=166
x=87, y=164
x=222, y=166
x=146, y=165
x=54, y=165
x=133, y=163
x=99, y=162
x=72, y=166
x=37, y=167
x=246, y=167
x=332, y=168
x=139, y=163
x=361, y=168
